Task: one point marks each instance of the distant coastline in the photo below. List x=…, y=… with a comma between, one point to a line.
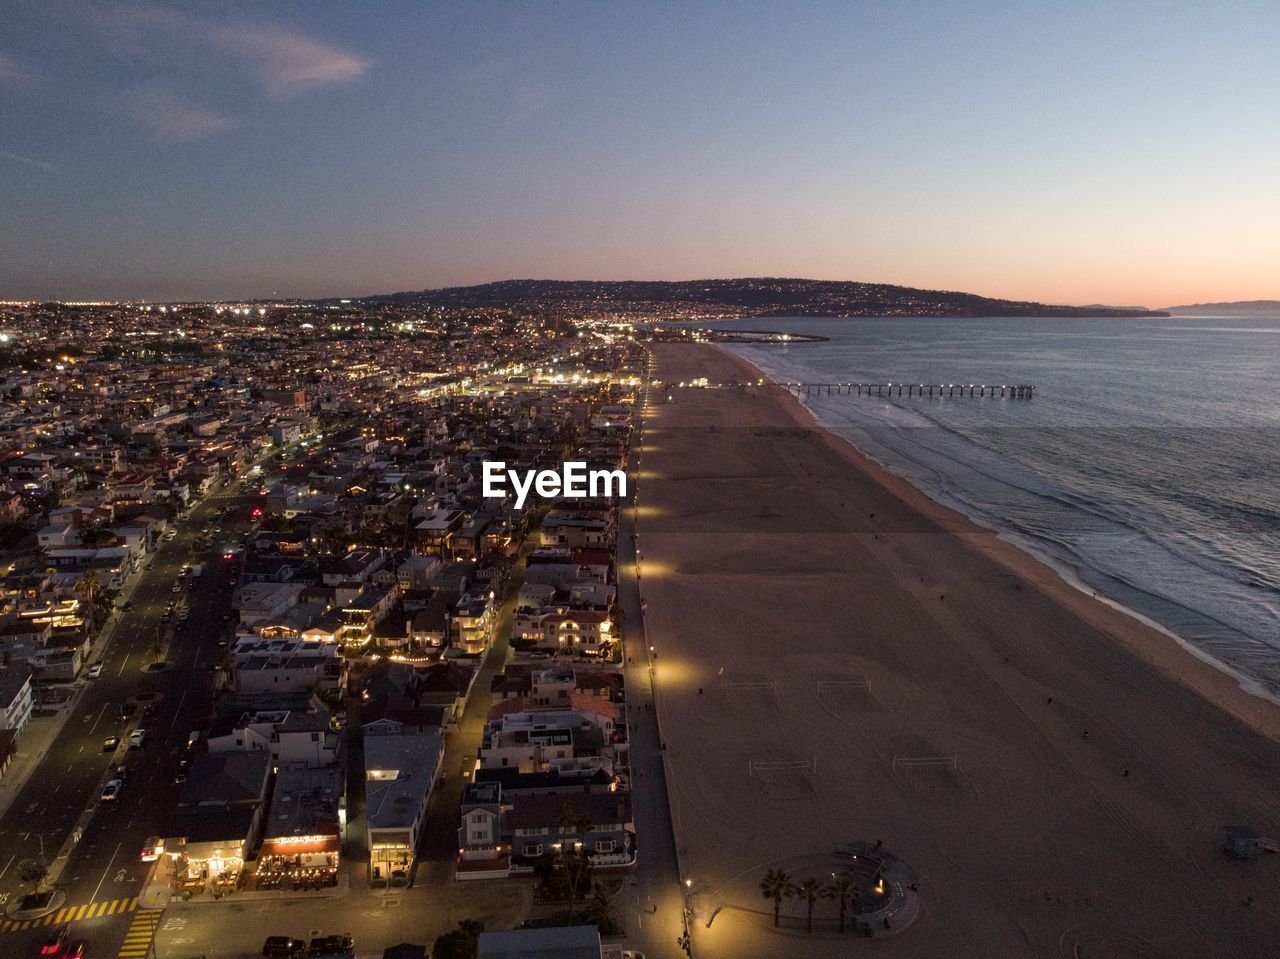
x=1239, y=309
x=685, y=334
x=724, y=299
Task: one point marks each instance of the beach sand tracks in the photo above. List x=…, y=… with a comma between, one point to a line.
x=1100, y=942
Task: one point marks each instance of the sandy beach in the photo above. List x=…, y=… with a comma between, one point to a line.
x=808, y=608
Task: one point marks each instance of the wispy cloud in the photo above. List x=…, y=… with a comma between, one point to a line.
x=28, y=161
x=168, y=118
x=175, y=45
x=286, y=63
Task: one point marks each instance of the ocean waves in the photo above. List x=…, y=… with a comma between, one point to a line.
x=1123, y=472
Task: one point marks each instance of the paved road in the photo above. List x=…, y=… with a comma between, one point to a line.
x=103, y=874
x=651, y=907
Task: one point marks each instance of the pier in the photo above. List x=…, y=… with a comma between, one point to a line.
x=1017, y=391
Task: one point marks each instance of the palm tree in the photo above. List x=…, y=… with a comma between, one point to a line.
x=777, y=885
x=576, y=862
x=810, y=890
x=600, y=910
x=32, y=871
x=841, y=889
x=88, y=584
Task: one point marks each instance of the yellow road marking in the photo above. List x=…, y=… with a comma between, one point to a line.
x=92, y=910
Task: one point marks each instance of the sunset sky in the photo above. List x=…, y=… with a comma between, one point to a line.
x=1122, y=153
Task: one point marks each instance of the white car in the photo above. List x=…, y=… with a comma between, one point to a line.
x=152, y=850
x=137, y=738
x=111, y=790
x=94, y=671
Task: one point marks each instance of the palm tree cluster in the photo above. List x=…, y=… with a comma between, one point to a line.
x=777, y=885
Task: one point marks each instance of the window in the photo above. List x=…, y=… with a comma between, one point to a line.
x=532, y=849
x=606, y=845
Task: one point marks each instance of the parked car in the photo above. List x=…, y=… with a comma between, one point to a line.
x=332, y=947
x=152, y=850
x=111, y=790
x=110, y=744
x=94, y=671
x=283, y=946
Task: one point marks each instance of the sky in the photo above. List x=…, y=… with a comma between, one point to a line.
x=1122, y=153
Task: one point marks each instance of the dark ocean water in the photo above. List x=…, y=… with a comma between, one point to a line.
x=1147, y=468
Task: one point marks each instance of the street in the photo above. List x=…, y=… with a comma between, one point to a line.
x=102, y=874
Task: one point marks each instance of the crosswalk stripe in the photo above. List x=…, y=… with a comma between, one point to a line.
x=144, y=918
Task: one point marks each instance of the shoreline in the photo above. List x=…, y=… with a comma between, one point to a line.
x=1214, y=681
x=843, y=660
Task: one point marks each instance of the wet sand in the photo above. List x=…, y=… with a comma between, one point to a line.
x=833, y=615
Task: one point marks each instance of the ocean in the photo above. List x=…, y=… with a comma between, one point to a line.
x=1146, y=469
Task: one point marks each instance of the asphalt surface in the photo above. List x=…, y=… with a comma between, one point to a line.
x=104, y=874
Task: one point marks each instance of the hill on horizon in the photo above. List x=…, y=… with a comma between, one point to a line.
x=747, y=296
x=1234, y=308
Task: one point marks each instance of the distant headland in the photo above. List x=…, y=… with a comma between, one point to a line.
x=726, y=299
x=1236, y=308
